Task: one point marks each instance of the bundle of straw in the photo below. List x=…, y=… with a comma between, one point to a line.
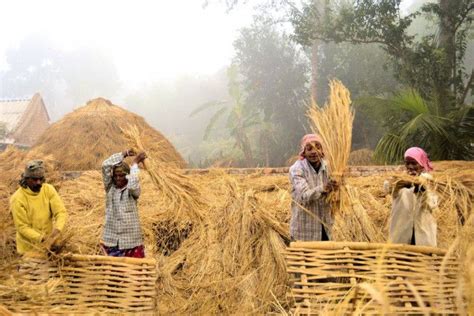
x=333, y=123
x=179, y=190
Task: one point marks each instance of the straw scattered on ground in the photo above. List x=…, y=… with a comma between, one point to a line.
x=231, y=258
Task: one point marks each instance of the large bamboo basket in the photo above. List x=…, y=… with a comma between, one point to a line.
x=84, y=284
x=364, y=278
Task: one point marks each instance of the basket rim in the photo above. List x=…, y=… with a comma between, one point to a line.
x=80, y=257
x=339, y=245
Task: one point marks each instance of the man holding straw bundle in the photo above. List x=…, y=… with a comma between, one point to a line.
x=38, y=211
x=122, y=236
x=311, y=218
x=412, y=221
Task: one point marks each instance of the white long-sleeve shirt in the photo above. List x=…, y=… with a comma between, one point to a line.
x=412, y=213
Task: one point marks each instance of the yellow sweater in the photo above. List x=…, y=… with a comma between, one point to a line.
x=33, y=215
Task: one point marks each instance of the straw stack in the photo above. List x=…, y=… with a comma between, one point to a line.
x=85, y=137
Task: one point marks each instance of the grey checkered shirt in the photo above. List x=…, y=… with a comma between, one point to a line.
x=307, y=197
x=122, y=224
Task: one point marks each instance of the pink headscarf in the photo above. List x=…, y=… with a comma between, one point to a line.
x=308, y=138
x=420, y=156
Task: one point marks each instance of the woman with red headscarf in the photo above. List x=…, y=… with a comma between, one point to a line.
x=412, y=221
x=311, y=217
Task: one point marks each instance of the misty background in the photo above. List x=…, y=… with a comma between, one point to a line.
x=227, y=82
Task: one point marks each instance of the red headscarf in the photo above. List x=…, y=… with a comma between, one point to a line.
x=308, y=138
x=420, y=156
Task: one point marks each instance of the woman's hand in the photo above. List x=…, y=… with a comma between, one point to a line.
x=332, y=185
x=140, y=158
x=129, y=153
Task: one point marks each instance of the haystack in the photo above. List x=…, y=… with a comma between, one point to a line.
x=85, y=137
x=362, y=157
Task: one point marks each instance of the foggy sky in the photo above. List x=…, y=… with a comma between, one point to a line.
x=147, y=40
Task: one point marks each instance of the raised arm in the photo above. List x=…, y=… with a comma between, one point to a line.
x=107, y=167
x=133, y=184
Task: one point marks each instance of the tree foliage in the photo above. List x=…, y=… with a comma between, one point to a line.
x=363, y=70
x=166, y=105
x=275, y=77
x=240, y=118
x=413, y=121
x=432, y=66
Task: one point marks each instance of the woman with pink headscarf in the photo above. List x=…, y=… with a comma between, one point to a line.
x=311, y=217
x=412, y=221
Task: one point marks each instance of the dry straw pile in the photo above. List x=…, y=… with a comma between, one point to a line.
x=228, y=244
x=84, y=138
x=222, y=250
x=361, y=157
x=217, y=240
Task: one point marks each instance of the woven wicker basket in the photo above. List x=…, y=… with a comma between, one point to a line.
x=345, y=277
x=80, y=283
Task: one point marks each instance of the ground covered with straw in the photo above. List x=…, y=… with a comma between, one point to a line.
x=219, y=238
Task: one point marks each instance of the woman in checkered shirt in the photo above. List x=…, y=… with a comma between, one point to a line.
x=311, y=218
x=122, y=235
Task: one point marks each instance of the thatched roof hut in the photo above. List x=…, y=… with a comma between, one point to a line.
x=22, y=121
x=88, y=135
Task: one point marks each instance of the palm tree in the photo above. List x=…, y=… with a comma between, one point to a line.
x=239, y=117
x=411, y=120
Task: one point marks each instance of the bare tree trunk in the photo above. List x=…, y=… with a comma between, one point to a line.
x=320, y=6
x=469, y=86
x=314, y=70
x=447, y=42
x=244, y=144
